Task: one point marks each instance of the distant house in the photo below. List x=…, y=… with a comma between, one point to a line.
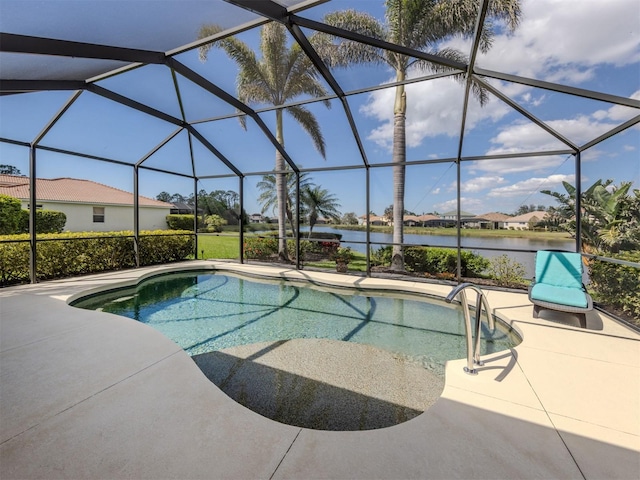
x=411, y=220
x=89, y=206
x=374, y=219
x=429, y=220
x=453, y=215
x=522, y=222
x=489, y=221
x=257, y=218
x=181, y=208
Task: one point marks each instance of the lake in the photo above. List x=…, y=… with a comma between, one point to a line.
x=476, y=244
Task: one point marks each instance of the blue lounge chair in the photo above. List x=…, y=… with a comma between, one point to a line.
x=558, y=285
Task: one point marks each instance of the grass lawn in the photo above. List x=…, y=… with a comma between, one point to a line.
x=357, y=264
x=225, y=246
x=219, y=246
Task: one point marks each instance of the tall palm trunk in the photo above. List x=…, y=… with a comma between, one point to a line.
x=313, y=218
x=399, y=157
x=281, y=192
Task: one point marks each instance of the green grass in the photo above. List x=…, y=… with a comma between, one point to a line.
x=357, y=264
x=224, y=246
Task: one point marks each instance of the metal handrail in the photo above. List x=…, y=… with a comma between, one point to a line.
x=473, y=351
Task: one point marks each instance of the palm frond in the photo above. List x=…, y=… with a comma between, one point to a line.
x=338, y=52
x=204, y=32
x=309, y=123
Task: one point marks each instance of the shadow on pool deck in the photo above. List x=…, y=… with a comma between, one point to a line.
x=323, y=384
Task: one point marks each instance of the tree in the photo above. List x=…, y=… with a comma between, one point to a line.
x=610, y=218
x=164, y=197
x=215, y=222
x=178, y=198
x=319, y=201
x=349, y=218
x=522, y=209
x=420, y=25
x=281, y=75
x=9, y=170
x=269, y=198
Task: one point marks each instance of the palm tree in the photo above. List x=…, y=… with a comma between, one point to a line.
x=610, y=216
x=281, y=75
x=319, y=201
x=420, y=25
x=269, y=198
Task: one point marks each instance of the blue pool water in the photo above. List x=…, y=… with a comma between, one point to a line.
x=205, y=312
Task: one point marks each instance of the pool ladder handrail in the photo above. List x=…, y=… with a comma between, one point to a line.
x=473, y=352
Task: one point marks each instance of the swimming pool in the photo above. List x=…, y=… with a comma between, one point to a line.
x=206, y=312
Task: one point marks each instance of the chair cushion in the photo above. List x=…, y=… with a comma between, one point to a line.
x=562, y=269
x=575, y=297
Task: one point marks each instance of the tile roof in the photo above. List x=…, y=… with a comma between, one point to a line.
x=526, y=217
x=427, y=217
x=493, y=217
x=72, y=190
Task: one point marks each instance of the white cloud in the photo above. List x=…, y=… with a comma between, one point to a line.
x=561, y=41
x=478, y=184
x=564, y=39
x=521, y=164
x=468, y=204
x=433, y=108
x=629, y=148
x=531, y=185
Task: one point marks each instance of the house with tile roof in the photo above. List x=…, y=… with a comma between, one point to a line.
x=488, y=221
x=524, y=221
x=374, y=219
x=89, y=206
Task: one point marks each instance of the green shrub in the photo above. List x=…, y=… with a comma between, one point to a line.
x=47, y=221
x=435, y=261
x=213, y=222
x=67, y=254
x=260, y=247
x=10, y=208
x=23, y=226
x=381, y=256
x=507, y=272
x=182, y=222
x=473, y=265
x=615, y=285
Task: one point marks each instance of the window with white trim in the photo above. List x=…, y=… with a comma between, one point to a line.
x=98, y=214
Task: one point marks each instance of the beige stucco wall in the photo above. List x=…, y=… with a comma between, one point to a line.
x=520, y=225
x=117, y=217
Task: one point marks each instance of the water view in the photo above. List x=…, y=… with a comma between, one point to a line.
x=356, y=240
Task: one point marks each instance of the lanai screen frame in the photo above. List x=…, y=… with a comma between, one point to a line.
x=271, y=11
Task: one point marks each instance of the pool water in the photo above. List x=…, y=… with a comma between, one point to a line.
x=205, y=312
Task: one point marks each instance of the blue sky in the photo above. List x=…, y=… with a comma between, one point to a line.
x=587, y=44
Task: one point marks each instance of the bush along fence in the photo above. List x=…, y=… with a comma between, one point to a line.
x=69, y=254
x=323, y=246
x=615, y=285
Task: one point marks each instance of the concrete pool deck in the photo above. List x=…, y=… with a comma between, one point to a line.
x=86, y=394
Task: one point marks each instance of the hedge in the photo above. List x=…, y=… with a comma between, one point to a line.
x=47, y=221
x=260, y=248
x=10, y=209
x=617, y=285
x=444, y=260
x=68, y=254
x=182, y=222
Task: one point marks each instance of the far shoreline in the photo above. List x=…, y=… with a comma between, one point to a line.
x=465, y=232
